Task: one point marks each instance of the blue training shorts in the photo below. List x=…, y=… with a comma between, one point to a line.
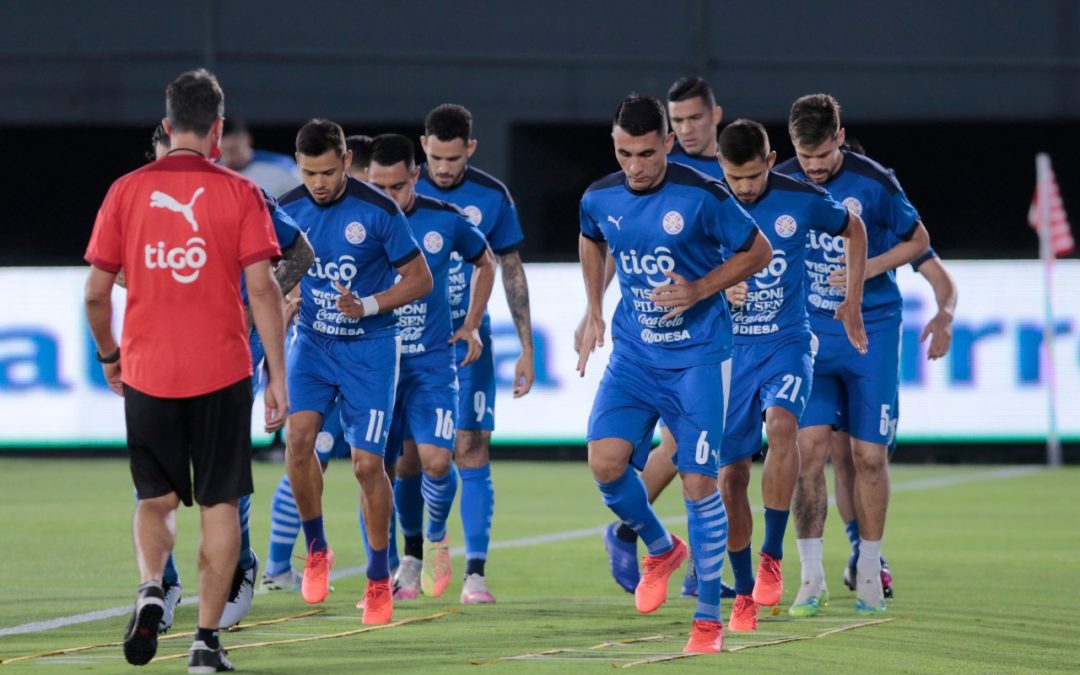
x=763, y=375
x=866, y=386
x=359, y=374
x=424, y=409
x=632, y=397
x=476, y=393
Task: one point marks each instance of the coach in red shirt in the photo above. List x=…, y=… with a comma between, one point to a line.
x=183, y=229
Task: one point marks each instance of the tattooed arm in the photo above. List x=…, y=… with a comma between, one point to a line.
x=517, y=297
x=295, y=262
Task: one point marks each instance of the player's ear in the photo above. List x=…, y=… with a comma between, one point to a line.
x=669, y=142
x=347, y=159
x=166, y=126
x=717, y=114
x=840, y=136
x=470, y=147
x=415, y=175
x=771, y=159
x=423, y=143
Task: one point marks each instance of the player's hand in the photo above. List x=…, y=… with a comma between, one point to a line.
x=591, y=337
x=120, y=279
x=838, y=278
x=471, y=336
x=939, y=330
x=290, y=309
x=276, y=402
x=347, y=303
x=850, y=314
x=112, y=377
x=678, y=296
x=524, y=373
x=579, y=333
x=736, y=295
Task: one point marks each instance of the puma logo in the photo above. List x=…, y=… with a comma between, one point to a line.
x=616, y=222
x=161, y=200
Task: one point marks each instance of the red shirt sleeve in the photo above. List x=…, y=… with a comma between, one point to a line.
x=257, y=238
x=105, y=250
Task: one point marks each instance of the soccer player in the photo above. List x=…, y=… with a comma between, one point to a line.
x=695, y=117
x=296, y=258
x=184, y=230
x=665, y=224
x=360, y=147
x=426, y=401
x=939, y=331
x=347, y=346
x=773, y=360
x=448, y=144
x=273, y=172
x=866, y=384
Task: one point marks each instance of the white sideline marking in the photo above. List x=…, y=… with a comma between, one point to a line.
x=522, y=542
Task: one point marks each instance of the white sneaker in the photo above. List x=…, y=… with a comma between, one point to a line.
x=289, y=580
x=173, y=593
x=407, y=579
x=241, y=595
x=475, y=591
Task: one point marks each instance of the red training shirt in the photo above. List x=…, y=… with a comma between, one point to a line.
x=182, y=229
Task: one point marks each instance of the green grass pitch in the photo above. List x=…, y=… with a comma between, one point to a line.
x=986, y=562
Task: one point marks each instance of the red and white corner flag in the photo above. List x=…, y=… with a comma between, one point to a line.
x=1061, y=240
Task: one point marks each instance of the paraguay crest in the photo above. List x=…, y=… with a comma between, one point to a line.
x=475, y=215
x=355, y=233
x=853, y=205
x=673, y=222
x=785, y=226
x=433, y=242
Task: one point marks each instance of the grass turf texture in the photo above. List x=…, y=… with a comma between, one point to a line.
x=985, y=562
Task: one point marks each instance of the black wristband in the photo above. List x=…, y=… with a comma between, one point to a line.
x=111, y=358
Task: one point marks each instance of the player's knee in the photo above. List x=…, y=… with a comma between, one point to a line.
x=471, y=449
x=367, y=466
x=436, y=462
x=300, y=443
x=606, y=467
x=162, y=506
x=781, y=430
x=697, y=486
x=735, y=478
x=870, y=457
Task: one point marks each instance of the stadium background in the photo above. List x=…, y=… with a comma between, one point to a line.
x=956, y=97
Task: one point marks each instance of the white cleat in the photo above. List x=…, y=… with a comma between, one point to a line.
x=475, y=591
x=240, y=596
x=173, y=593
x=288, y=580
x=407, y=579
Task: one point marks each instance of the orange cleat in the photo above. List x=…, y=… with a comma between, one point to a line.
x=769, y=586
x=706, y=637
x=378, y=602
x=743, y=614
x=652, y=589
x=315, y=585
x=436, y=571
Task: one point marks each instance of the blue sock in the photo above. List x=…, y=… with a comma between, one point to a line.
x=284, y=528
x=477, y=511
x=171, y=575
x=439, y=497
x=247, y=556
x=852, y=529
x=707, y=521
x=775, y=526
x=627, y=499
x=391, y=548
x=314, y=535
x=377, y=564
x=409, y=504
x=742, y=568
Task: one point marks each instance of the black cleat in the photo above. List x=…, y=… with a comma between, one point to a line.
x=202, y=659
x=140, y=640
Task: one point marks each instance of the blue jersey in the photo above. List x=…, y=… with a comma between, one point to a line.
x=425, y=325
x=274, y=173
x=710, y=166
x=775, y=304
x=677, y=226
x=285, y=229
x=488, y=205
x=871, y=191
x=359, y=239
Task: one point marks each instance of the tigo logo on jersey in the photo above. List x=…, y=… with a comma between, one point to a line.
x=832, y=247
x=355, y=233
x=853, y=205
x=651, y=265
x=433, y=242
x=673, y=222
x=770, y=276
x=343, y=270
x=178, y=260
x=786, y=226
x=475, y=215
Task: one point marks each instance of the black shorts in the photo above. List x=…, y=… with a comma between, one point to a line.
x=210, y=434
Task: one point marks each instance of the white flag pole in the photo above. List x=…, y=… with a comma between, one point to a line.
x=1046, y=252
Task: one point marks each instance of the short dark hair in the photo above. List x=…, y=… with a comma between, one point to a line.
x=639, y=114
x=360, y=147
x=689, y=87
x=743, y=141
x=193, y=101
x=389, y=149
x=159, y=137
x=814, y=119
x=233, y=125
x=449, y=121
x=320, y=135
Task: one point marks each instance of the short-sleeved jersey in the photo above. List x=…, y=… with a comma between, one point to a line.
x=787, y=213
x=871, y=191
x=425, y=325
x=488, y=205
x=182, y=229
x=277, y=174
x=710, y=166
x=359, y=239
x=678, y=226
